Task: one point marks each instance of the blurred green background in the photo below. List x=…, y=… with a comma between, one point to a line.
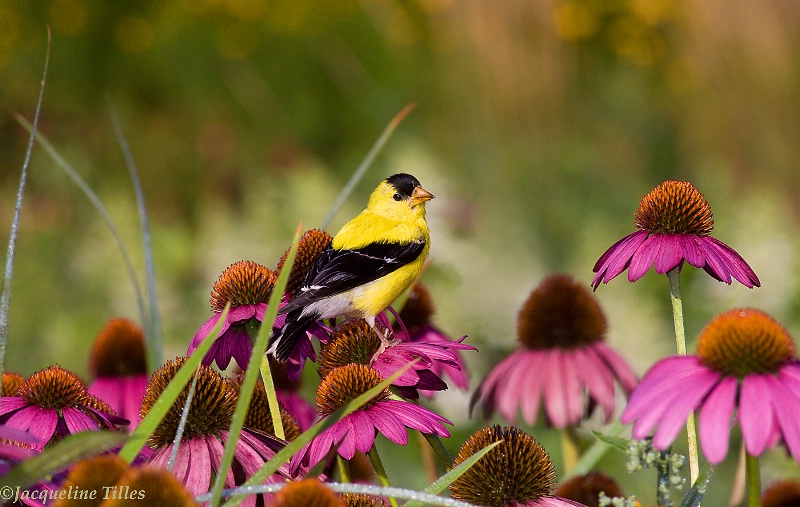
x=539, y=125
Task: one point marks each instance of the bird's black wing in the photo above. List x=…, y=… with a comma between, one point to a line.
x=337, y=271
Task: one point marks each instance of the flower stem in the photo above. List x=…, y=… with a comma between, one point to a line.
x=377, y=464
x=674, y=276
x=569, y=448
x=753, y=481
x=444, y=457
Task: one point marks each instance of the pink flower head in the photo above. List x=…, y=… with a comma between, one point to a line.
x=247, y=286
x=415, y=323
x=119, y=364
x=54, y=403
x=206, y=431
x=674, y=222
x=357, y=430
x=562, y=364
x=745, y=365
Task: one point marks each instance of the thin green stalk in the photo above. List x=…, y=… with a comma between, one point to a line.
x=674, y=276
x=753, y=481
x=5, y=296
x=377, y=464
x=442, y=454
x=272, y=398
x=344, y=469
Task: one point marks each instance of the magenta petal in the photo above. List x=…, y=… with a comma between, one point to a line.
x=715, y=419
x=617, y=258
x=573, y=390
x=41, y=422
x=596, y=376
x=755, y=413
x=532, y=388
x=787, y=408
x=621, y=369
x=77, y=421
x=389, y=427
x=686, y=400
x=658, y=382
x=205, y=330
x=556, y=393
x=670, y=253
x=198, y=470
x=644, y=257
x=511, y=376
x=736, y=265
x=11, y=403
x=363, y=430
x=691, y=251
x=715, y=265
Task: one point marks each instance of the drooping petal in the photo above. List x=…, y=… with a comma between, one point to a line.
x=691, y=250
x=204, y=332
x=617, y=258
x=644, y=257
x=658, y=382
x=388, y=425
x=595, y=375
x=715, y=265
x=622, y=371
x=670, y=253
x=532, y=388
x=736, y=265
x=77, y=421
x=755, y=413
x=11, y=403
x=714, y=426
x=39, y=421
x=686, y=399
x=786, y=407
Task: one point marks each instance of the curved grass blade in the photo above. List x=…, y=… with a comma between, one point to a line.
x=447, y=479
x=362, y=168
x=89, y=193
x=5, y=297
x=170, y=394
x=252, y=373
x=64, y=453
x=153, y=323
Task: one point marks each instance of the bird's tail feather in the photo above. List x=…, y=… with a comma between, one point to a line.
x=283, y=341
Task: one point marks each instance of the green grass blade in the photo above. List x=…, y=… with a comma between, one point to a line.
x=64, y=453
x=153, y=323
x=252, y=372
x=362, y=169
x=447, y=479
x=170, y=394
x=5, y=296
x=101, y=210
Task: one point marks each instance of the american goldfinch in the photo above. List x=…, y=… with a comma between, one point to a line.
x=372, y=259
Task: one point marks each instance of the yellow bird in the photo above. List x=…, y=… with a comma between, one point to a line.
x=372, y=259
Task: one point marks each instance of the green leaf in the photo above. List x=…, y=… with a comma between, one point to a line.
x=71, y=449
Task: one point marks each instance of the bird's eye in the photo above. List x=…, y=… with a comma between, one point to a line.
x=397, y=197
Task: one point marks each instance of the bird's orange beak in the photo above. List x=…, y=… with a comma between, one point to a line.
x=420, y=195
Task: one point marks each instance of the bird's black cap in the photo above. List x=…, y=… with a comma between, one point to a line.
x=403, y=183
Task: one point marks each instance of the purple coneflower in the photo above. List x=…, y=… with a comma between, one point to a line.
x=118, y=362
x=357, y=430
x=247, y=286
x=357, y=342
x=206, y=432
x=54, y=403
x=563, y=362
x=416, y=317
x=516, y=473
x=745, y=364
x=675, y=223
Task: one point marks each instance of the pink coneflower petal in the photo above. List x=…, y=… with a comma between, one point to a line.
x=531, y=396
x=617, y=258
x=388, y=426
x=737, y=266
x=507, y=380
x=685, y=401
x=670, y=253
x=40, y=421
x=786, y=411
x=691, y=250
x=77, y=421
x=596, y=377
x=11, y=403
x=563, y=398
x=715, y=263
x=621, y=369
x=659, y=382
x=755, y=413
x=363, y=430
x=715, y=419
x=644, y=257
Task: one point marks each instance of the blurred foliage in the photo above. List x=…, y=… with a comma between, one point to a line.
x=539, y=126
